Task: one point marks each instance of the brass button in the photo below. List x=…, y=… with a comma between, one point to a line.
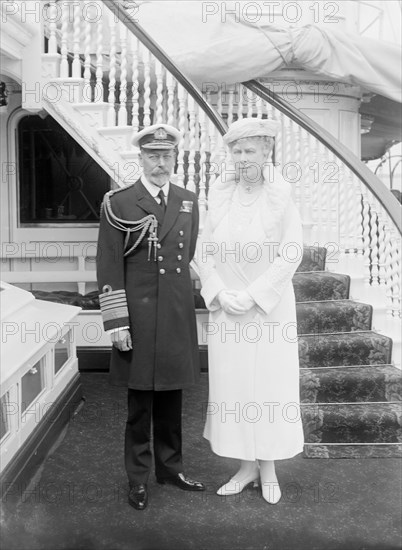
x=179, y=257
x=162, y=271
x=181, y=233
x=159, y=245
x=160, y=258
x=181, y=245
x=178, y=269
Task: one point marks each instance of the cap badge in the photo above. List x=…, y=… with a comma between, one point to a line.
x=160, y=133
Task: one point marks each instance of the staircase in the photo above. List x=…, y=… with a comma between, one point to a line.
x=350, y=391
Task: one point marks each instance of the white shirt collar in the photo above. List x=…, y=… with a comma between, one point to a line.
x=154, y=189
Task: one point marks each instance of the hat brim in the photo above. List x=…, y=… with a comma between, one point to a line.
x=160, y=145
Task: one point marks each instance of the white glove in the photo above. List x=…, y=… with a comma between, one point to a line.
x=121, y=339
x=244, y=300
x=227, y=300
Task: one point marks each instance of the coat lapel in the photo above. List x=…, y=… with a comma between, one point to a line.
x=172, y=211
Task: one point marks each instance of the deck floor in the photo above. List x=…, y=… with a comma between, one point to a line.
x=78, y=499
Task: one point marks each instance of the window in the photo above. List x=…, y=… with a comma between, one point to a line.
x=59, y=182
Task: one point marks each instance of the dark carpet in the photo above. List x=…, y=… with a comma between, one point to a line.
x=78, y=501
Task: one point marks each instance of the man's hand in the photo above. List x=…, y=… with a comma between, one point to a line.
x=121, y=339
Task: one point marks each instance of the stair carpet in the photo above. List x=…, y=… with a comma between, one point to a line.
x=350, y=393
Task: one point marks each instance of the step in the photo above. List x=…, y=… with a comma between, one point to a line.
x=344, y=348
x=356, y=450
x=313, y=258
x=320, y=285
x=368, y=383
x=333, y=316
x=352, y=423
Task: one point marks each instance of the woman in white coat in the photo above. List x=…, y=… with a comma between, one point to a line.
x=249, y=250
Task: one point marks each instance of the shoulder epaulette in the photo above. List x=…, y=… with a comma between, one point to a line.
x=118, y=189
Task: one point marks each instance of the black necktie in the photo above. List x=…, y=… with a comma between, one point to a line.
x=161, y=196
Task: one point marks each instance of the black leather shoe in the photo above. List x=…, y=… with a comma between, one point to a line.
x=138, y=496
x=183, y=482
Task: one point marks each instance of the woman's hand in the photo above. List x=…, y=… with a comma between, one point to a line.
x=244, y=300
x=229, y=304
x=121, y=339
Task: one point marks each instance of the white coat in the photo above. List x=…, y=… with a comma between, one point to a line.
x=253, y=408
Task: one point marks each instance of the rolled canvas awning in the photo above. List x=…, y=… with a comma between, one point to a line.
x=230, y=50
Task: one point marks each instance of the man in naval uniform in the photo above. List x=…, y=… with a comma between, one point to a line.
x=147, y=237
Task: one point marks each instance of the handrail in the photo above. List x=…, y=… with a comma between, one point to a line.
x=117, y=8
x=375, y=185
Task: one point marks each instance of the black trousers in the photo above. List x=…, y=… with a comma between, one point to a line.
x=163, y=408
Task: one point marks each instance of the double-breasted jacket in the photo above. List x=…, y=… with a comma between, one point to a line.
x=145, y=284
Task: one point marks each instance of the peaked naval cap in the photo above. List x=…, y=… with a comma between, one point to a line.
x=157, y=136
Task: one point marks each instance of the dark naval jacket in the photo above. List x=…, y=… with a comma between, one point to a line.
x=150, y=290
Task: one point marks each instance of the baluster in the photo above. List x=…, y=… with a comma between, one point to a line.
x=159, y=92
x=112, y=74
x=146, y=57
x=313, y=202
x=383, y=239
x=170, y=87
x=52, y=11
x=323, y=192
x=351, y=212
x=304, y=154
x=192, y=144
x=135, y=96
x=87, y=92
x=202, y=197
x=122, y=116
x=385, y=263
x=249, y=104
x=219, y=102
x=76, y=69
x=278, y=144
x=182, y=96
x=240, y=102
x=230, y=107
x=64, y=69
x=98, y=92
x=259, y=106
x=297, y=159
x=396, y=273
x=366, y=236
x=214, y=157
x=374, y=246
x=333, y=204
x=343, y=206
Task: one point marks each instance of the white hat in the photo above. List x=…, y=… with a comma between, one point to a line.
x=157, y=136
x=251, y=127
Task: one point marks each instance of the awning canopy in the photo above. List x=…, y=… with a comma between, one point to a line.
x=232, y=50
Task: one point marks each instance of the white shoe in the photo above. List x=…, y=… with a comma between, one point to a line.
x=271, y=491
x=235, y=486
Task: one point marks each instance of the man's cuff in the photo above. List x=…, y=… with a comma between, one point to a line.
x=113, y=304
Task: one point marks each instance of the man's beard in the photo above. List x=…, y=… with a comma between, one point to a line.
x=161, y=178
